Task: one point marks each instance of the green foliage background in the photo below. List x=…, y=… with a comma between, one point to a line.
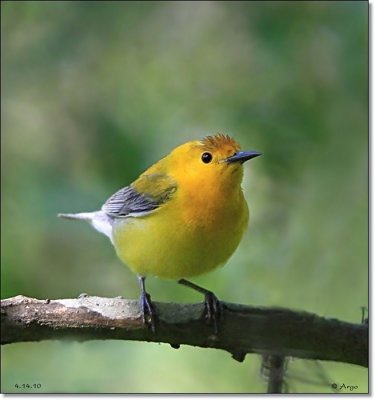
x=95, y=92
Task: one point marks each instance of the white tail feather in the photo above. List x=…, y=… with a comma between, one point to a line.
x=98, y=219
x=84, y=216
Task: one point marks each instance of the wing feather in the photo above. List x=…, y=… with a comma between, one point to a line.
x=145, y=195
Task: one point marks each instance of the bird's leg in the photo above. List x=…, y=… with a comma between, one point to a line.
x=212, y=303
x=147, y=308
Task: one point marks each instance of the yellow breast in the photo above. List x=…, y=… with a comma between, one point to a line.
x=187, y=236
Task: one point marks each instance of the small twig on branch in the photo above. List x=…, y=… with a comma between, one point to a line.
x=243, y=329
x=273, y=369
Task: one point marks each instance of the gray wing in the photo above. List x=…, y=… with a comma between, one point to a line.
x=129, y=202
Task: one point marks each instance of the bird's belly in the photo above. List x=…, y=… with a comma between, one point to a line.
x=174, y=248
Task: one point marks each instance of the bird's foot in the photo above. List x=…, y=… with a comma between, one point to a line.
x=213, y=307
x=213, y=310
x=148, y=311
x=147, y=308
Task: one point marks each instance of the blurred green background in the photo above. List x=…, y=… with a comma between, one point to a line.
x=95, y=92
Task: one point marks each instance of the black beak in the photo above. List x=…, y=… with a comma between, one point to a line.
x=243, y=156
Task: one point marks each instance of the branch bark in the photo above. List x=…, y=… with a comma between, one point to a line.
x=243, y=329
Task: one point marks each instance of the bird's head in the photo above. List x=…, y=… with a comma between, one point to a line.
x=216, y=160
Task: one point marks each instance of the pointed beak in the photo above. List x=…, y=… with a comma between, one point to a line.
x=243, y=156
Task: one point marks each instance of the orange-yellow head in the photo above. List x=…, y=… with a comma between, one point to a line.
x=216, y=161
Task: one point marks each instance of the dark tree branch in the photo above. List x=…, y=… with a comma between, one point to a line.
x=243, y=329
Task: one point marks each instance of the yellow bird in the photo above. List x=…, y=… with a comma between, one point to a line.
x=184, y=216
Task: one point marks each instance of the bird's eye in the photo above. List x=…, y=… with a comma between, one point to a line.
x=206, y=157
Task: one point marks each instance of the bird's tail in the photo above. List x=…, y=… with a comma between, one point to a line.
x=85, y=216
x=98, y=219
